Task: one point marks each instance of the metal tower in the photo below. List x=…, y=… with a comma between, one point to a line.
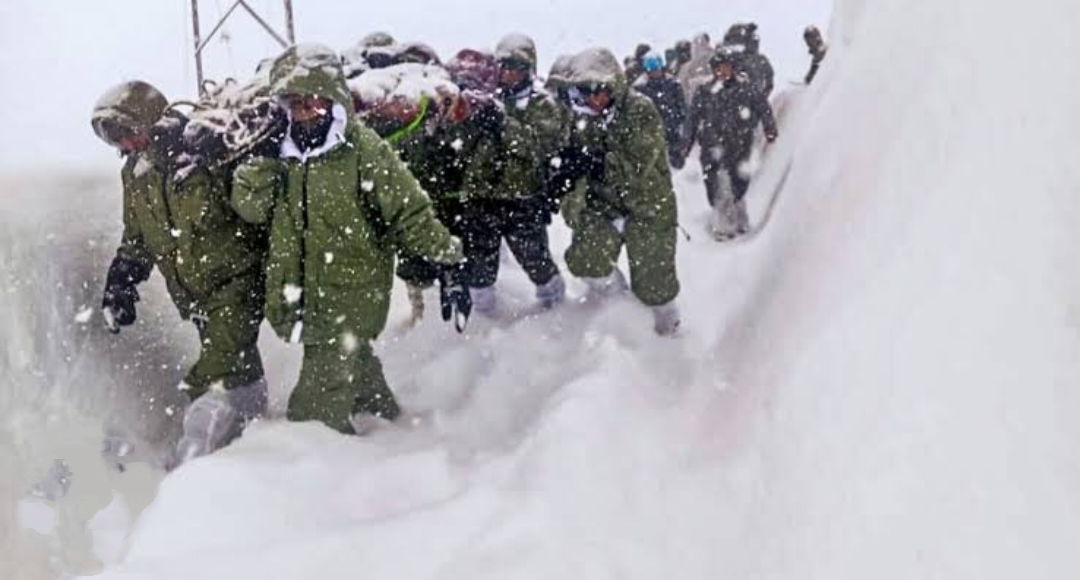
x=200, y=42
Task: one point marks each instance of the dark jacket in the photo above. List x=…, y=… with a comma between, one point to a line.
x=757, y=66
x=667, y=95
x=816, y=56
x=726, y=115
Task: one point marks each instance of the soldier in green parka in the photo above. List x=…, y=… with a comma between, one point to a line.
x=212, y=262
x=340, y=204
x=626, y=197
x=511, y=201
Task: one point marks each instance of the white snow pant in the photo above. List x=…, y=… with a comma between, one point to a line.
x=729, y=216
x=725, y=186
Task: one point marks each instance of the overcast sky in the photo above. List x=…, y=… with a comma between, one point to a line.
x=57, y=56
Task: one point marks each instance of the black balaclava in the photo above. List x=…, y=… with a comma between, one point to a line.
x=308, y=137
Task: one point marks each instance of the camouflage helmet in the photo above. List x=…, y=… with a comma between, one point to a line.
x=416, y=52
x=743, y=34
x=683, y=50
x=377, y=39
x=132, y=107
x=310, y=69
x=723, y=55
x=598, y=68
x=560, y=73
x=517, y=47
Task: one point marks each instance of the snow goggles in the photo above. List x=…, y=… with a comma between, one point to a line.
x=111, y=131
x=589, y=89
x=515, y=65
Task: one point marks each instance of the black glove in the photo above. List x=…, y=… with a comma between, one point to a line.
x=454, y=296
x=118, y=304
x=551, y=206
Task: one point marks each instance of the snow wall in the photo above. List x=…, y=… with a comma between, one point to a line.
x=909, y=355
x=880, y=384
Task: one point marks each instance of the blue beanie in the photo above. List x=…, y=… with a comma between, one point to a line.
x=652, y=62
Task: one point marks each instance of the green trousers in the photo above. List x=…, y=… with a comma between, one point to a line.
x=596, y=244
x=336, y=383
x=229, y=352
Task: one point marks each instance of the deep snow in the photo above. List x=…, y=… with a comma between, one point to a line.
x=881, y=384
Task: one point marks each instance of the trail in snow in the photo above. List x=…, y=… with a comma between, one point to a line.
x=481, y=399
x=882, y=385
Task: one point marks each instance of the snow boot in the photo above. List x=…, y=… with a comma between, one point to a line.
x=484, y=300
x=213, y=420
x=666, y=319
x=552, y=293
x=610, y=285
x=367, y=423
x=729, y=218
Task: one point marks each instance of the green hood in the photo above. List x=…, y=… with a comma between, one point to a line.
x=134, y=105
x=310, y=69
x=598, y=66
x=561, y=70
x=517, y=47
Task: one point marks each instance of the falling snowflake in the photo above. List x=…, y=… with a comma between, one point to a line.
x=329, y=257
x=84, y=315
x=349, y=342
x=292, y=293
x=367, y=186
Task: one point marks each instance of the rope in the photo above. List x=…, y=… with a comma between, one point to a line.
x=404, y=131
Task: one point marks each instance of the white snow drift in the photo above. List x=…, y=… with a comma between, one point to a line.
x=882, y=384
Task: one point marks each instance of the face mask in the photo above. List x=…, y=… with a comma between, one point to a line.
x=311, y=136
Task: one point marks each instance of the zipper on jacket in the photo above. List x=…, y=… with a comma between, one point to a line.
x=303, y=243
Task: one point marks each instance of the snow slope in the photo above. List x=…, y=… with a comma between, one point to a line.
x=912, y=348
x=881, y=384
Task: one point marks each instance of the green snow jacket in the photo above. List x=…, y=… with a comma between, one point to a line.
x=206, y=253
x=626, y=197
x=535, y=130
x=636, y=181
x=337, y=216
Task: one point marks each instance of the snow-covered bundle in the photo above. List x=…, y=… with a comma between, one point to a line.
x=361, y=58
x=229, y=121
x=409, y=83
